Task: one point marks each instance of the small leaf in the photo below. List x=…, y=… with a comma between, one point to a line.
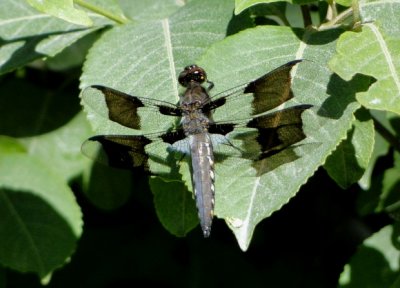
x=383, y=195
x=374, y=52
x=375, y=264
x=10, y=145
x=381, y=148
x=73, y=55
x=40, y=220
x=27, y=35
x=390, y=195
x=174, y=206
x=55, y=136
x=348, y=163
x=107, y=188
x=241, y=5
x=62, y=9
x=346, y=3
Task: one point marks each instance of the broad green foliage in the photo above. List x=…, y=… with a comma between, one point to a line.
x=62, y=9
x=174, y=45
x=40, y=219
x=346, y=66
x=245, y=201
x=251, y=199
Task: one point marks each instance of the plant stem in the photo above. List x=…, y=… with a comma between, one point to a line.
x=306, y=15
x=101, y=11
x=385, y=133
x=356, y=11
x=342, y=17
x=333, y=9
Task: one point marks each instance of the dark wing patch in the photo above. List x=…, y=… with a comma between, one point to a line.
x=173, y=136
x=123, y=108
x=272, y=89
x=126, y=151
x=268, y=91
x=279, y=130
x=118, y=151
x=222, y=128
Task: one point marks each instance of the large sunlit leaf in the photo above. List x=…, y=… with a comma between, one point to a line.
x=144, y=60
x=374, y=51
x=243, y=198
x=348, y=163
x=40, y=220
x=26, y=34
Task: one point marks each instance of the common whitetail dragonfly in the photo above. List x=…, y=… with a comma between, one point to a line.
x=276, y=131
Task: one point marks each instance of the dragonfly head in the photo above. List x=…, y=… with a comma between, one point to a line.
x=192, y=73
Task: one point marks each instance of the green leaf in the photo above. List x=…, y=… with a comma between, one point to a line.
x=349, y=161
x=150, y=9
x=26, y=35
x=389, y=198
x=381, y=147
x=61, y=148
x=62, y=9
x=174, y=206
x=56, y=136
x=241, y=5
x=107, y=188
x=243, y=199
x=10, y=145
x=346, y=3
x=374, y=51
x=383, y=194
x=73, y=55
x=162, y=49
x=40, y=220
x=375, y=264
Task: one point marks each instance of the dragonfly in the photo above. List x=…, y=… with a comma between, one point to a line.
x=195, y=134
